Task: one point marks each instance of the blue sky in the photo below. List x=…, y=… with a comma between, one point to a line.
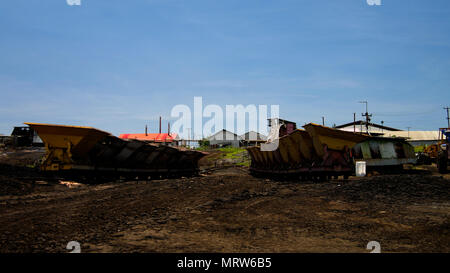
x=117, y=65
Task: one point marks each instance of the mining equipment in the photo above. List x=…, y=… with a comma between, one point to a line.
x=87, y=151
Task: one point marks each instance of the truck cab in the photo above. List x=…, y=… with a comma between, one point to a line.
x=443, y=150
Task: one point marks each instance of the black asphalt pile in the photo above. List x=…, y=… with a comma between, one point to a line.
x=16, y=180
x=226, y=211
x=395, y=188
x=24, y=157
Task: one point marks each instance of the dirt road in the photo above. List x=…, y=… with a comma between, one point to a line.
x=226, y=211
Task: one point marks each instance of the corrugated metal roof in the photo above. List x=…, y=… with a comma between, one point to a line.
x=151, y=137
x=415, y=135
x=253, y=136
x=224, y=135
x=362, y=122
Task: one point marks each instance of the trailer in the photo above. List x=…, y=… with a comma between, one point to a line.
x=320, y=152
x=78, y=150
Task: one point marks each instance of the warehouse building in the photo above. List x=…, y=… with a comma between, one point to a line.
x=225, y=138
x=415, y=138
x=253, y=138
x=360, y=126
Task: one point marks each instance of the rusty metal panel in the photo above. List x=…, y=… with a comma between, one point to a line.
x=391, y=151
x=365, y=148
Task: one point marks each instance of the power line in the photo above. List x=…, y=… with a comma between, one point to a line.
x=406, y=113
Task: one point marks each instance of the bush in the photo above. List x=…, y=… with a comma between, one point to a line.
x=419, y=149
x=203, y=143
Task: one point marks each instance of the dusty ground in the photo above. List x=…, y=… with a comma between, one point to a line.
x=226, y=211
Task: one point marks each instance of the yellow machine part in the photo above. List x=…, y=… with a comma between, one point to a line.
x=62, y=142
x=431, y=150
x=333, y=138
x=294, y=150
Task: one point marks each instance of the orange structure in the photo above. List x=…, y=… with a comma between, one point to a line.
x=160, y=138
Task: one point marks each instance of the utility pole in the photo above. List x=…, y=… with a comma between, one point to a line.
x=189, y=136
x=448, y=119
x=354, y=122
x=382, y=124
x=366, y=115
x=323, y=121
x=408, y=130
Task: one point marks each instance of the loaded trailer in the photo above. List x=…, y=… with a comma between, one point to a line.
x=89, y=152
x=319, y=153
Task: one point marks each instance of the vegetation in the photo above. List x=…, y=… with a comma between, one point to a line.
x=203, y=148
x=227, y=155
x=230, y=152
x=203, y=143
x=244, y=163
x=419, y=149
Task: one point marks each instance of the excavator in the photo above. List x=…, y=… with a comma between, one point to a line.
x=443, y=146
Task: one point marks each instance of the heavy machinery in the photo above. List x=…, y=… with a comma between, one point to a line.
x=317, y=152
x=24, y=136
x=75, y=150
x=320, y=152
x=443, y=157
x=428, y=155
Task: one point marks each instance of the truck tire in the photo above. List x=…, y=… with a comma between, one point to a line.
x=442, y=163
